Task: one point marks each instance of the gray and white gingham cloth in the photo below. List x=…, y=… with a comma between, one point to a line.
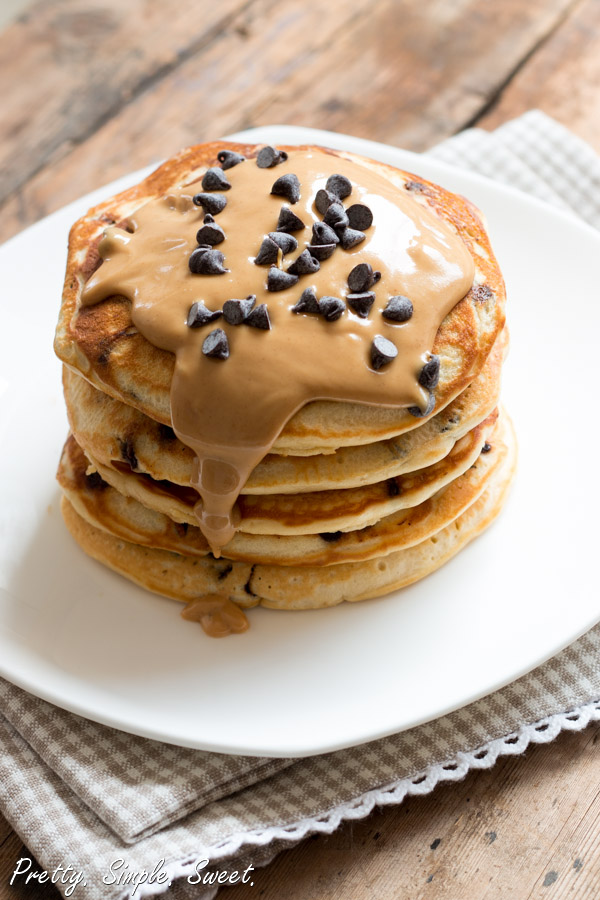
x=83, y=794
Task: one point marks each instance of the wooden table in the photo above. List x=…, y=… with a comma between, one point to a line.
x=92, y=90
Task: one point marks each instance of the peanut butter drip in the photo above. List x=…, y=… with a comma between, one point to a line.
x=217, y=615
x=230, y=411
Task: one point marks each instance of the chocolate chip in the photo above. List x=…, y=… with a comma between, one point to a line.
x=289, y=221
x=349, y=238
x=398, y=309
x=339, y=185
x=207, y=262
x=419, y=413
x=229, y=159
x=287, y=186
x=211, y=203
x=331, y=308
x=200, y=315
x=481, y=293
x=360, y=216
x=331, y=536
x=416, y=186
x=322, y=251
x=336, y=216
x=323, y=200
x=210, y=233
x=393, y=488
x=361, y=303
x=430, y=373
x=215, y=180
x=323, y=234
x=382, y=351
x=166, y=432
x=259, y=318
x=270, y=156
x=128, y=453
x=307, y=303
x=305, y=264
x=285, y=241
x=486, y=448
x=362, y=277
x=278, y=280
x=237, y=311
x=216, y=344
x=268, y=253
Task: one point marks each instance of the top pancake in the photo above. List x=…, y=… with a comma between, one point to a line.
x=102, y=344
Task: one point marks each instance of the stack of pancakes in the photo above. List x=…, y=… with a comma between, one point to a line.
x=352, y=501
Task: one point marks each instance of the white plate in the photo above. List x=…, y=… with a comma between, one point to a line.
x=299, y=683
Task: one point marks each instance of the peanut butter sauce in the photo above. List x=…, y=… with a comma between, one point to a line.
x=231, y=411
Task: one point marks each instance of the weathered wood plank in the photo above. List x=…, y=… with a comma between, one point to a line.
x=406, y=72
x=562, y=78
x=512, y=832
x=66, y=67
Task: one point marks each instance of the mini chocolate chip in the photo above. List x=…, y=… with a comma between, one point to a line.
x=322, y=251
x=305, y=264
x=289, y=221
x=361, y=303
x=208, y=219
x=362, y=277
x=278, y=280
x=359, y=216
x=323, y=200
x=331, y=536
x=207, y=262
x=416, y=186
x=166, y=432
x=210, y=233
x=95, y=482
x=128, y=453
x=481, y=293
x=237, y=311
x=286, y=241
x=349, y=238
x=211, y=203
x=430, y=373
x=200, y=315
x=259, y=318
x=339, y=185
x=270, y=156
x=229, y=159
x=486, y=448
x=382, y=351
x=307, y=303
x=323, y=234
x=268, y=253
x=398, y=309
x=216, y=344
x=331, y=308
x=393, y=488
x=215, y=180
x=336, y=216
x=419, y=413
x=287, y=186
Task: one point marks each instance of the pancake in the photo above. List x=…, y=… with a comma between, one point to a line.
x=102, y=344
x=309, y=513
x=186, y=578
x=113, y=431
x=104, y=507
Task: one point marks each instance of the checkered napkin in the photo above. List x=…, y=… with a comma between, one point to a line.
x=88, y=796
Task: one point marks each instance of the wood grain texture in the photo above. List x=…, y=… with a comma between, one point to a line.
x=394, y=70
x=562, y=78
x=528, y=828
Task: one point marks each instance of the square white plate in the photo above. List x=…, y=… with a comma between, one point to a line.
x=300, y=683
